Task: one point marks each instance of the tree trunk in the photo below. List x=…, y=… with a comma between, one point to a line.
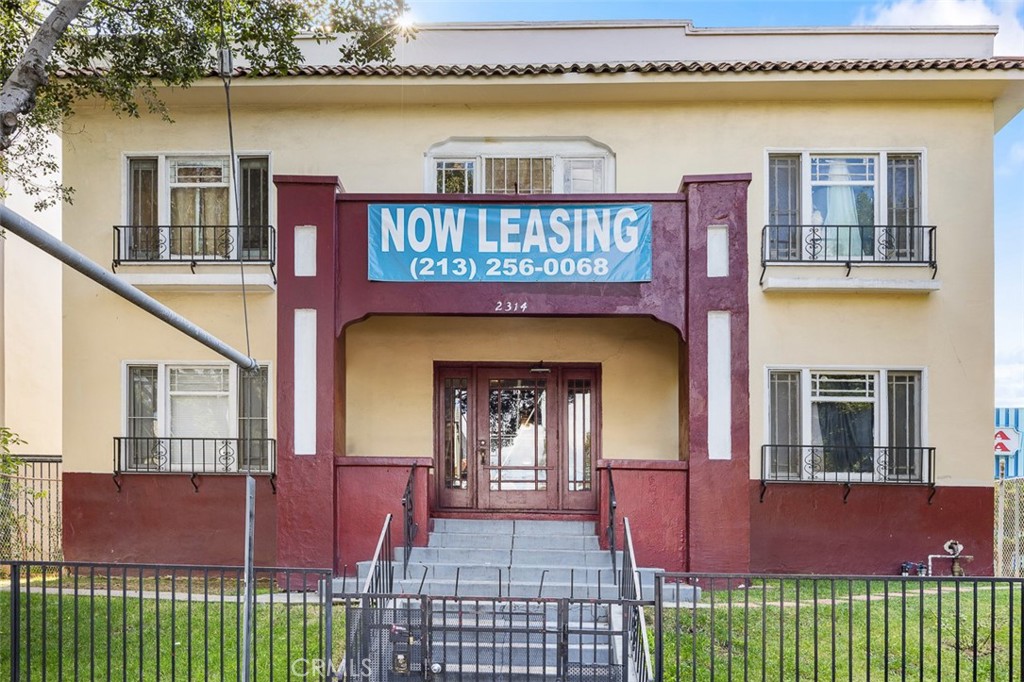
x=18, y=94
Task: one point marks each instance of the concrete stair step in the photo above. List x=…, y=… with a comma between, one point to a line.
x=490, y=588
x=503, y=541
x=508, y=527
x=504, y=648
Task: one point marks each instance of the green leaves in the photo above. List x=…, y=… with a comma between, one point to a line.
x=121, y=52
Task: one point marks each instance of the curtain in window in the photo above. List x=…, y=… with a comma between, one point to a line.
x=199, y=200
x=205, y=211
x=843, y=434
x=841, y=240
x=199, y=410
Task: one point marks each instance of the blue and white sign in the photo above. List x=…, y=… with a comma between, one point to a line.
x=510, y=243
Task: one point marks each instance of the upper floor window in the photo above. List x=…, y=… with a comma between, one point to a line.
x=843, y=208
x=520, y=166
x=182, y=208
x=847, y=426
x=209, y=418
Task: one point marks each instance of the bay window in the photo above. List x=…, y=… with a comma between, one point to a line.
x=846, y=426
x=210, y=418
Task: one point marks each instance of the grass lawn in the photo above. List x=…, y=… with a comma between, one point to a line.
x=117, y=638
x=848, y=630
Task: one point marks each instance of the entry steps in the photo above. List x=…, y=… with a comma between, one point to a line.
x=504, y=640
x=507, y=558
x=507, y=601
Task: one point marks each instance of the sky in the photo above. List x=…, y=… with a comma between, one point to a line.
x=1009, y=142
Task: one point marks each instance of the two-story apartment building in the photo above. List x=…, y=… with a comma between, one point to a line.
x=742, y=277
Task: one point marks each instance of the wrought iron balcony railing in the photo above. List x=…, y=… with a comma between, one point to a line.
x=153, y=455
x=848, y=244
x=194, y=244
x=847, y=464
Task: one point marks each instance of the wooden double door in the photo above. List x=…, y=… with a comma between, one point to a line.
x=517, y=437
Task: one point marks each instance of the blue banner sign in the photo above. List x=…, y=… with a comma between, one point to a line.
x=510, y=243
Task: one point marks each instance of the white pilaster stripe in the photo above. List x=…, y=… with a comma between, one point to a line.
x=305, y=250
x=719, y=385
x=304, y=423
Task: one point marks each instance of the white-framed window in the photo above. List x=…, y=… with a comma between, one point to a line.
x=182, y=208
x=846, y=207
x=520, y=166
x=196, y=417
x=846, y=425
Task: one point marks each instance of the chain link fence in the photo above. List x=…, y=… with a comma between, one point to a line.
x=1009, y=528
x=30, y=510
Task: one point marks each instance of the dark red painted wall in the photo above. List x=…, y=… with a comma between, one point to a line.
x=652, y=495
x=162, y=519
x=306, y=482
x=719, y=533
x=806, y=528
x=368, y=489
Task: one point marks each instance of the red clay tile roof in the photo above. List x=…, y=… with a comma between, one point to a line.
x=490, y=71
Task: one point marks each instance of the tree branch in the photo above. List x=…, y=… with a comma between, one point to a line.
x=19, y=90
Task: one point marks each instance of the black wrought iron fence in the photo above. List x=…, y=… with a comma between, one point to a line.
x=760, y=627
x=405, y=637
x=30, y=510
x=155, y=455
x=141, y=622
x=882, y=244
x=193, y=243
x=847, y=464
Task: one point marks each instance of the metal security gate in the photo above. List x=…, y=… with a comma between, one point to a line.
x=1009, y=528
x=502, y=639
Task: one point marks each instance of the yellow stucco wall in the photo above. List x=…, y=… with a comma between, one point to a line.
x=380, y=149
x=390, y=376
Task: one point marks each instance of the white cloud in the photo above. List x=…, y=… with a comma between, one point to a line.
x=1004, y=13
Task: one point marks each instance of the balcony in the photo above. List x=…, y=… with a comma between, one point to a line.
x=896, y=258
x=154, y=256
x=847, y=464
x=156, y=455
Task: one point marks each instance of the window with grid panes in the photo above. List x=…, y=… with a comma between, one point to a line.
x=845, y=207
x=844, y=425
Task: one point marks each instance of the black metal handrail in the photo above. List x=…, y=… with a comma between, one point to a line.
x=194, y=243
x=636, y=622
x=380, y=578
x=847, y=464
x=846, y=244
x=157, y=455
x=610, y=530
x=409, y=526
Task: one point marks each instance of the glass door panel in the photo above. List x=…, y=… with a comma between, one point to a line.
x=515, y=437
